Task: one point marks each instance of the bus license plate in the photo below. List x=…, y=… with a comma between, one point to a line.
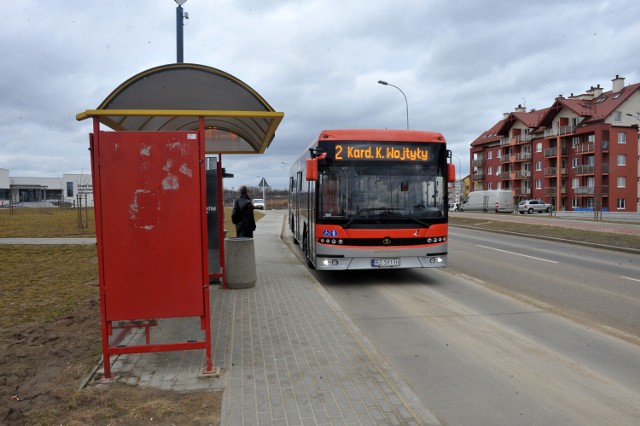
x=385, y=263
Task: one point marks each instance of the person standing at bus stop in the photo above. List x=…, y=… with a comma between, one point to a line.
x=242, y=214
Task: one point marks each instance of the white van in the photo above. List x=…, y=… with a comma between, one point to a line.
x=498, y=200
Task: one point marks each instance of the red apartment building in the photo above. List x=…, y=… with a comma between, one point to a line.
x=581, y=153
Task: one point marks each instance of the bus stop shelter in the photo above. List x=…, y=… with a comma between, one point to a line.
x=150, y=195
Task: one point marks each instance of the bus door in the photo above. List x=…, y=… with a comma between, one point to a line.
x=311, y=218
x=298, y=206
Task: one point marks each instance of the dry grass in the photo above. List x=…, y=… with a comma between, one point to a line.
x=39, y=283
x=569, y=234
x=50, y=336
x=46, y=223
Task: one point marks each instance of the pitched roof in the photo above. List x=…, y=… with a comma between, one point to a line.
x=605, y=104
x=490, y=135
x=593, y=110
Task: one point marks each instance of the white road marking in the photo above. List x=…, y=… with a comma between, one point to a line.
x=631, y=279
x=518, y=254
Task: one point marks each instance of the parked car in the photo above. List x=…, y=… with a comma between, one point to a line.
x=258, y=203
x=454, y=207
x=500, y=200
x=531, y=206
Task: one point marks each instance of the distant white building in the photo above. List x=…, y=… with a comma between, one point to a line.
x=70, y=189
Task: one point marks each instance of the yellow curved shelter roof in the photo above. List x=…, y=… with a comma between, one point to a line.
x=173, y=97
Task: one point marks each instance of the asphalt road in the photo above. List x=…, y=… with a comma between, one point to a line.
x=505, y=335
x=594, y=286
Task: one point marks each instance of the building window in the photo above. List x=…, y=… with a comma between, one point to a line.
x=69, y=189
x=622, y=181
x=538, y=183
x=498, y=170
x=489, y=170
x=490, y=155
x=538, y=166
x=622, y=137
x=622, y=160
x=591, y=138
x=489, y=185
x=617, y=116
x=538, y=146
x=575, y=202
x=575, y=141
x=620, y=204
x=575, y=182
x=499, y=153
x=575, y=163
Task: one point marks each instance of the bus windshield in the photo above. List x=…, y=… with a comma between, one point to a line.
x=364, y=194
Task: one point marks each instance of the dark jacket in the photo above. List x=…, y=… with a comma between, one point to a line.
x=242, y=216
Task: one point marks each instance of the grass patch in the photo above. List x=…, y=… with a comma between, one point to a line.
x=39, y=283
x=46, y=223
x=570, y=234
x=61, y=223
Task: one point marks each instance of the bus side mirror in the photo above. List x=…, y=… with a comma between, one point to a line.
x=451, y=172
x=312, y=166
x=312, y=169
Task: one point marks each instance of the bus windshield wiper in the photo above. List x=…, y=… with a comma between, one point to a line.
x=385, y=212
x=415, y=219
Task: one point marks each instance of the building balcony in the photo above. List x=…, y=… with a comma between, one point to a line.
x=590, y=191
x=553, y=152
x=505, y=142
x=520, y=139
x=559, y=131
x=519, y=192
x=522, y=174
x=478, y=162
x=523, y=156
x=585, y=169
x=584, y=190
x=585, y=148
x=553, y=190
x=589, y=169
x=552, y=172
x=478, y=177
x=507, y=158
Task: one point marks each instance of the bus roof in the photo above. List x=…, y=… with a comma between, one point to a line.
x=381, y=135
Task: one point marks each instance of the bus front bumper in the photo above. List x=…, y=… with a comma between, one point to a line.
x=327, y=263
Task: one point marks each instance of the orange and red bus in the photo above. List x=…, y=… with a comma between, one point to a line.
x=366, y=199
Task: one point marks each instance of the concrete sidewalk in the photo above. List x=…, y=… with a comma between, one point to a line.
x=286, y=353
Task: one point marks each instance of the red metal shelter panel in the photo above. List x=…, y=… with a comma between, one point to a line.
x=151, y=224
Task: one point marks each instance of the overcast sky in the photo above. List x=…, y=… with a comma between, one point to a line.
x=461, y=64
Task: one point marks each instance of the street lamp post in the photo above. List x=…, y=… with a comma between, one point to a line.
x=384, y=83
x=180, y=30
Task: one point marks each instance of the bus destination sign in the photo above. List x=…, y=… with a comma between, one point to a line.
x=379, y=151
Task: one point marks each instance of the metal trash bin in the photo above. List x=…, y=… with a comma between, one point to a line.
x=240, y=260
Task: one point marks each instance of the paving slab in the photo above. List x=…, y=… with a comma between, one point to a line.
x=285, y=352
